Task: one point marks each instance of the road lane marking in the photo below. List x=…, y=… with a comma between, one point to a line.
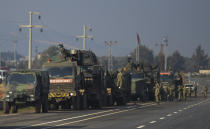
x=162, y=118
x=73, y=122
x=152, y=122
x=184, y=108
x=169, y=115
x=180, y=110
x=141, y=126
x=50, y=122
x=175, y=112
x=9, y=115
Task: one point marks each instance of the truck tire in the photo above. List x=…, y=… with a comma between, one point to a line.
x=45, y=104
x=110, y=100
x=37, y=106
x=6, y=107
x=76, y=102
x=84, y=101
x=14, y=108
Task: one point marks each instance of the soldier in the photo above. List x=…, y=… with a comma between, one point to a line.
x=119, y=79
x=157, y=92
x=184, y=93
x=171, y=93
x=179, y=92
x=195, y=90
x=205, y=89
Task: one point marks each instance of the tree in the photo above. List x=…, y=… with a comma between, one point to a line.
x=45, y=55
x=146, y=55
x=200, y=59
x=176, y=61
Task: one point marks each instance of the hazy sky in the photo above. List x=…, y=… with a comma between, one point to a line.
x=185, y=22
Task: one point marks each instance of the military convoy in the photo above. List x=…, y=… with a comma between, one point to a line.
x=73, y=79
x=28, y=87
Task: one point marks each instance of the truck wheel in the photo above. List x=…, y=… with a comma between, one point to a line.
x=37, y=106
x=45, y=104
x=14, y=108
x=110, y=100
x=6, y=107
x=76, y=103
x=84, y=101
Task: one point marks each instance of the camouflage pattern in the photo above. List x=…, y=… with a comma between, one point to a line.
x=25, y=87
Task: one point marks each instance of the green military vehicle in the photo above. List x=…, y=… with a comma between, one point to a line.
x=139, y=88
x=28, y=87
x=76, y=79
x=167, y=83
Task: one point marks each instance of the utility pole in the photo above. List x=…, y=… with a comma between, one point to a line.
x=30, y=26
x=110, y=43
x=15, y=53
x=36, y=52
x=138, y=49
x=162, y=53
x=85, y=36
x=165, y=42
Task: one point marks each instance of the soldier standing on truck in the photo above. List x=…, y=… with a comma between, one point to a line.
x=119, y=79
x=157, y=92
x=205, y=89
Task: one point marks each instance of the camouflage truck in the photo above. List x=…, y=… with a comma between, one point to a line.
x=167, y=85
x=28, y=87
x=139, y=90
x=81, y=85
x=143, y=77
x=151, y=74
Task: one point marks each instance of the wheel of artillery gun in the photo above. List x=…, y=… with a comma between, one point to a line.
x=45, y=104
x=6, y=106
x=14, y=108
x=38, y=106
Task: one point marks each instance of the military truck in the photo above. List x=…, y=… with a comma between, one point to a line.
x=167, y=83
x=28, y=87
x=139, y=90
x=76, y=79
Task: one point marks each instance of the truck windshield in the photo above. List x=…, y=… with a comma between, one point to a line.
x=165, y=78
x=21, y=78
x=137, y=76
x=59, y=71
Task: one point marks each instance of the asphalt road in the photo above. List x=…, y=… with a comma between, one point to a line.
x=192, y=114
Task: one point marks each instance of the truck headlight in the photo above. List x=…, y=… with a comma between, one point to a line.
x=7, y=96
x=10, y=92
x=31, y=96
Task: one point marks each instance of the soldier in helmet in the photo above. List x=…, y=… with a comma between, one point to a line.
x=119, y=79
x=157, y=92
x=195, y=90
x=184, y=93
x=205, y=89
x=179, y=92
